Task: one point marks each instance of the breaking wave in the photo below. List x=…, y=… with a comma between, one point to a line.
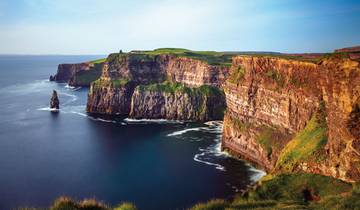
x=146, y=121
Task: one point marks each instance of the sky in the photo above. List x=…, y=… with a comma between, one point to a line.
x=105, y=26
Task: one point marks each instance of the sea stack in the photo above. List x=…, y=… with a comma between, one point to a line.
x=54, y=101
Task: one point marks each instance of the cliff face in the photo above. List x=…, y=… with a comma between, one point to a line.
x=187, y=104
x=147, y=69
x=144, y=69
x=194, y=73
x=106, y=97
x=80, y=74
x=66, y=71
x=287, y=115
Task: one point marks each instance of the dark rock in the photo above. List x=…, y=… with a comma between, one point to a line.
x=52, y=78
x=54, y=101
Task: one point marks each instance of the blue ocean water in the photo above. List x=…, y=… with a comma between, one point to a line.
x=154, y=164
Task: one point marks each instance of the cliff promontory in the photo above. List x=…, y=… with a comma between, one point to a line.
x=290, y=115
x=165, y=83
x=79, y=74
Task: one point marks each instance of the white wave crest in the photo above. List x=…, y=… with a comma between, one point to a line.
x=48, y=109
x=73, y=88
x=177, y=133
x=217, y=166
x=144, y=121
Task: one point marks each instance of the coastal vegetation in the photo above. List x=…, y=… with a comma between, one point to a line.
x=66, y=203
x=211, y=57
x=307, y=144
x=98, y=61
x=292, y=191
x=285, y=191
x=173, y=87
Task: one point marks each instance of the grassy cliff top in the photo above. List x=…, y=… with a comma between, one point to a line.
x=211, y=57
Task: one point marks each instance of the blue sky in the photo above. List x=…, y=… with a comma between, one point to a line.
x=105, y=26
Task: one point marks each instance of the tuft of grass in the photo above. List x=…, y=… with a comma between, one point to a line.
x=237, y=75
x=266, y=139
x=276, y=76
x=215, y=204
x=66, y=203
x=126, y=206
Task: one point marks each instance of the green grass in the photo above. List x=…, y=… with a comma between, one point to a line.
x=306, y=145
x=292, y=191
x=172, y=87
x=101, y=60
x=211, y=57
x=266, y=139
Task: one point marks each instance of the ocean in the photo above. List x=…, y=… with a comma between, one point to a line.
x=156, y=164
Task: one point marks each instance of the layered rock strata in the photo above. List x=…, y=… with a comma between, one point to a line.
x=274, y=103
x=178, y=104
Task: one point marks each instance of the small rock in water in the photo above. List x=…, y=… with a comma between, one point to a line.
x=54, y=102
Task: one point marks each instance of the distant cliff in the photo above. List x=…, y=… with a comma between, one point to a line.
x=79, y=74
x=147, y=85
x=291, y=116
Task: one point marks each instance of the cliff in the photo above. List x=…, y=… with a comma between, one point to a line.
x=110, y=97
x=199, y=75
x=291, y=116
x=80, y=74
x=177, y=102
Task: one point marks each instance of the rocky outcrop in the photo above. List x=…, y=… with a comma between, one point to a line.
x=54, y=101
x=270, y=102
x=188, y=104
